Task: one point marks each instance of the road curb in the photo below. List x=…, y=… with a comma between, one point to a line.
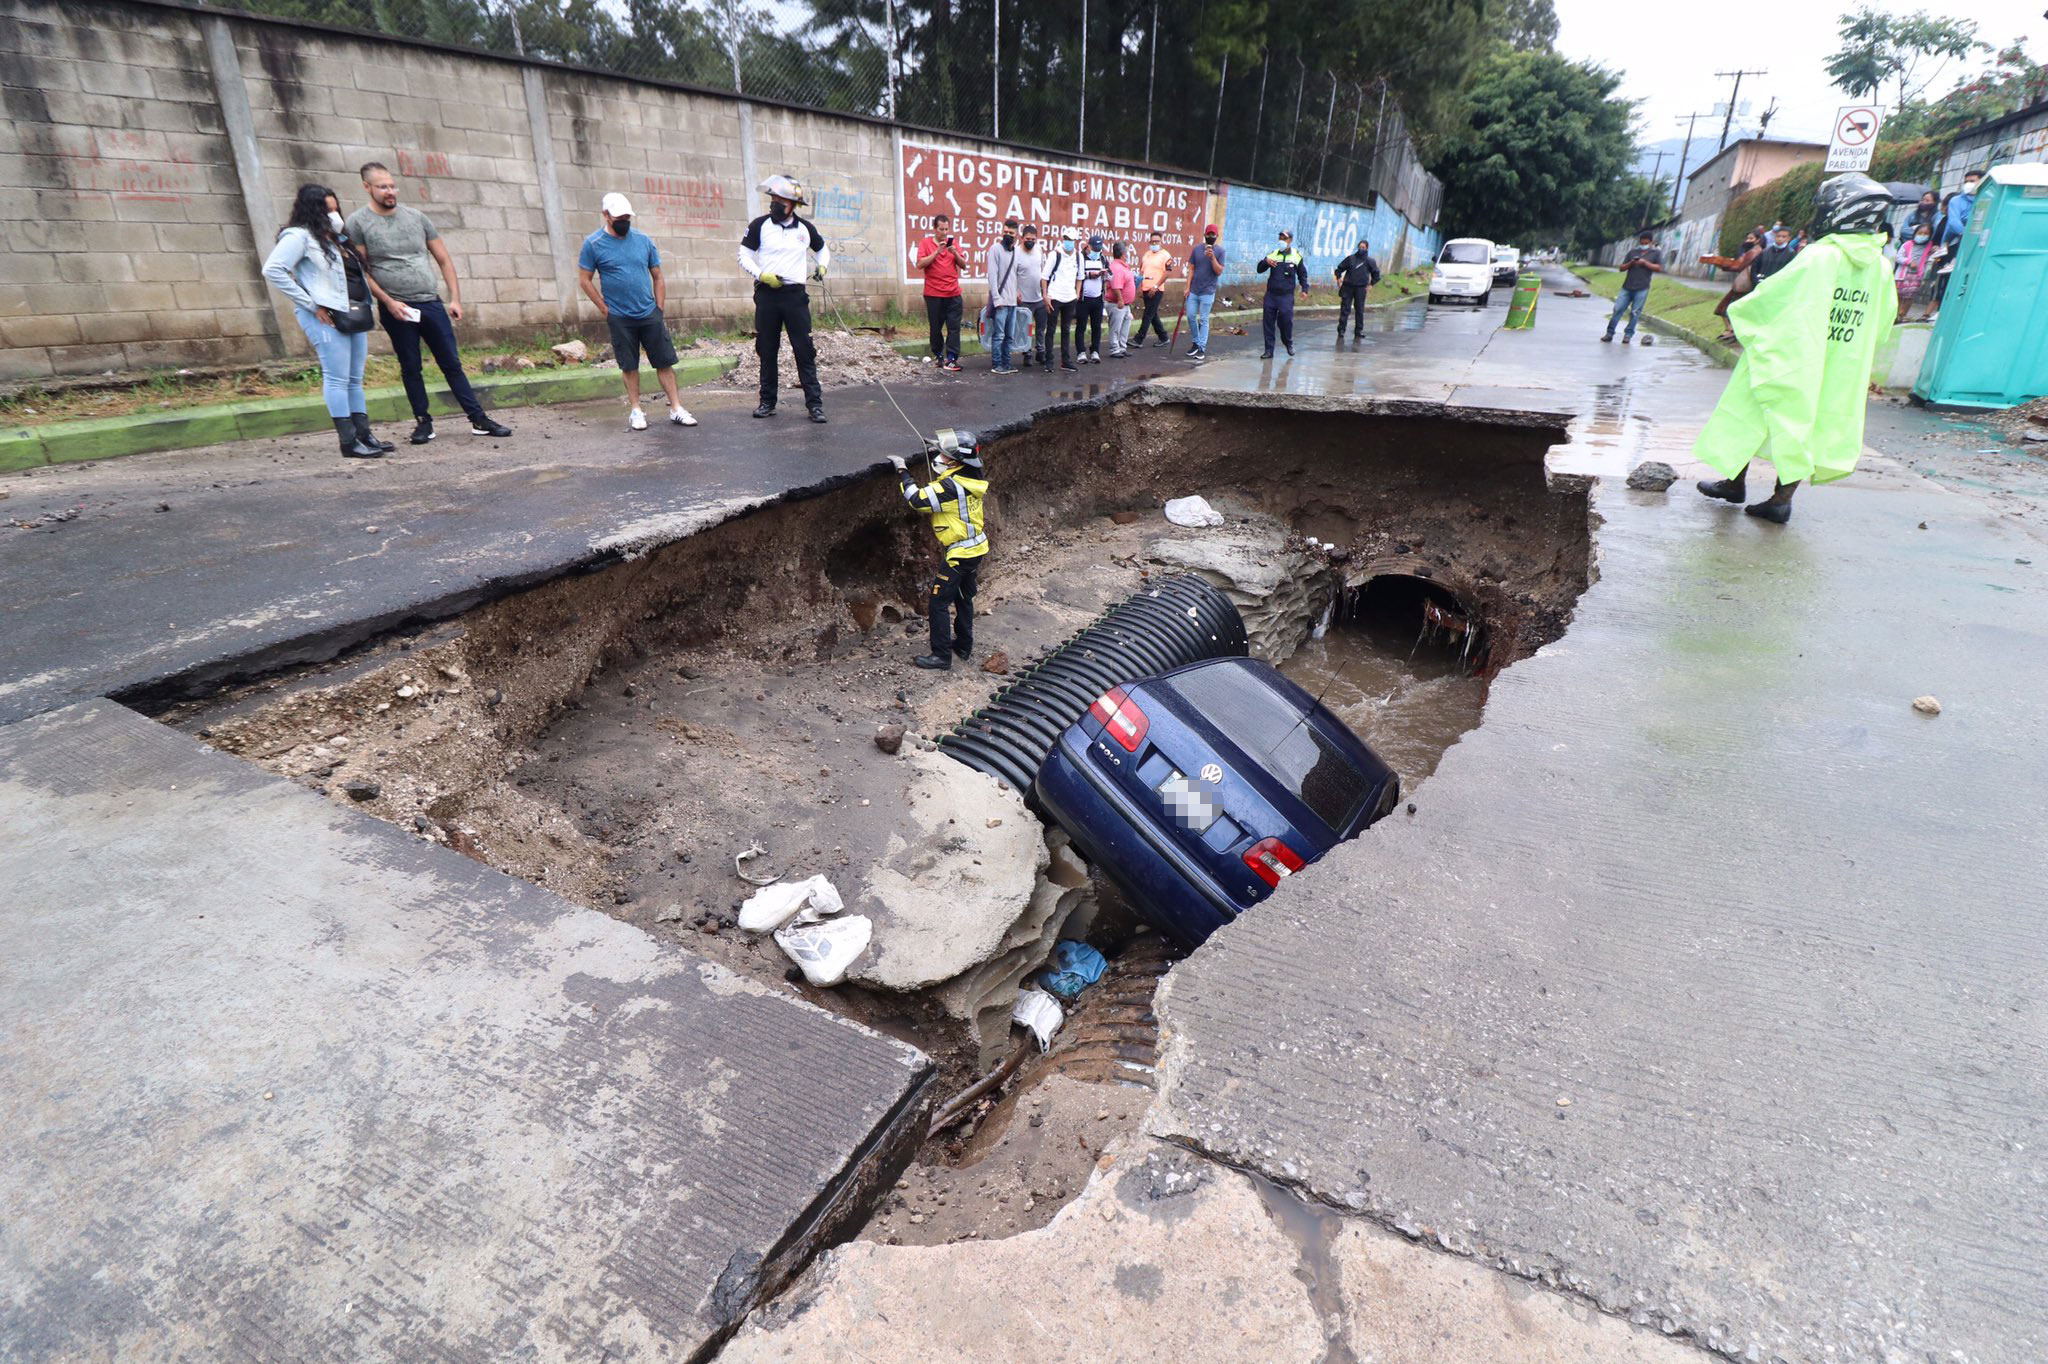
x=186, y=428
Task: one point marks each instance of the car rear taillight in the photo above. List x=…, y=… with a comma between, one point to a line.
x=1121, y=717
x=1273, y=860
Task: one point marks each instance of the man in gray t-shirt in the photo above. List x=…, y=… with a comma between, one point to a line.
x=406, y=255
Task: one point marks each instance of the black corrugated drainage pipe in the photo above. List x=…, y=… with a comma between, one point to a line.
x=1174, y=622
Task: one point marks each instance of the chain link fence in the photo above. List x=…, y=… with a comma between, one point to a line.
x=1284, y=124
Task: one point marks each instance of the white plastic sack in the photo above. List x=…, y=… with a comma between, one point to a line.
x=1192, y=511
x=770, y=907
x=1039, y=1012
x=826, y=951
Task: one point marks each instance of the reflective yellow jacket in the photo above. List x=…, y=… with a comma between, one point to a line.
x=953, y=502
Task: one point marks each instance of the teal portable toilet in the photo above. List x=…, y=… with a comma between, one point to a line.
x=1990, y=344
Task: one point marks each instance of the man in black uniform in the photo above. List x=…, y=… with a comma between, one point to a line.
x=1288, y=272
x=1355, y=274
x=775, y=251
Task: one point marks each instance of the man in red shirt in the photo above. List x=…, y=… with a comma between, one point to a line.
x=938, y=255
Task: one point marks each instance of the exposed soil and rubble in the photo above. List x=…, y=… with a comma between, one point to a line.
x=621, y=737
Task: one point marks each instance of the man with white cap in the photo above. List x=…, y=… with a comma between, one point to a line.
x=776, y=251
x=620, y=269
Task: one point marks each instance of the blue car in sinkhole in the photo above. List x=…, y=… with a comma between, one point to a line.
x=1200, y=790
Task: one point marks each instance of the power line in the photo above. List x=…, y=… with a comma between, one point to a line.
x=1733, y=95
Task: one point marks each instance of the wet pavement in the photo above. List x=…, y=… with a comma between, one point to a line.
x=1703, y=985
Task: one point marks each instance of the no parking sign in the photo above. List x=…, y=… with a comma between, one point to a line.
x=1854, y=140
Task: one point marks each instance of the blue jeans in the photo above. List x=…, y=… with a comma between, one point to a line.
x=438, y=333
x=1002, y=323
x=1628, y=301
x=341, y=363
x=1198, y=318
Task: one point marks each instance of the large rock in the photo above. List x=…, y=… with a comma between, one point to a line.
x=1280, y=592
x=953, y=881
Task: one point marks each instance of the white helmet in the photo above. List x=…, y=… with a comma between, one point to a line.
x=783, y=187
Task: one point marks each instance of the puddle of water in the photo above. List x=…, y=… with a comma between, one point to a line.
x=1314, y=1231
x=1409, y=709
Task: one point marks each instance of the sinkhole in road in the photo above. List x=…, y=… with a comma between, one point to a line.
x=622, y=735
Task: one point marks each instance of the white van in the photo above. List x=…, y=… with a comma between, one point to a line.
x=1464, y=269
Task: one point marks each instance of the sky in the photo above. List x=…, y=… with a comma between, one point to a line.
x=1669, y=55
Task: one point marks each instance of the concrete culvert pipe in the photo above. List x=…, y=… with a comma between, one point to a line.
x=1171, y=623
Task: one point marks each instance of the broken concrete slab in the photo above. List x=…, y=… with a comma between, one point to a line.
x=983, y=995
x=952, y=882
x=283, y=1080
x=1279, y=592
x=1770, y=1076
x=1165, y=1255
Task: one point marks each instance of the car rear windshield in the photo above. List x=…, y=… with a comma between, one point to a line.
x=1464, y=253
x=1270, y=729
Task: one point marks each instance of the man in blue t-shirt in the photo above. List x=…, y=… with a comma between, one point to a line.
x=621, y=272
x=1205, y=268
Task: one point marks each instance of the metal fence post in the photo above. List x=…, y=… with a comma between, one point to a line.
x=1081, y=132
x=1329, y=115
x=1152, y=80
x=1217, y=136
x=1258, y=123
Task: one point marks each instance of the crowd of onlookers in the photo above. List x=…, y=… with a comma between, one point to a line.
x=1921, y=246
x=1084, y=290
x=387, y=265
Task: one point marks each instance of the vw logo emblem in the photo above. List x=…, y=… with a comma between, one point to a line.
x=1212, y=774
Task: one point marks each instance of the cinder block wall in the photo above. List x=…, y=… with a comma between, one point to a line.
x=150, y=153
x=127, y=244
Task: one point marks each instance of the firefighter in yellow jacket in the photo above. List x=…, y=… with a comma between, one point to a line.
x=953, y=501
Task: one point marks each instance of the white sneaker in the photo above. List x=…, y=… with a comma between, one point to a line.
x=636, y=420
x=681, y=416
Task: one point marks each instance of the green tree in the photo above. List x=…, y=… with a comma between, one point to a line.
x=2011, y=82
x=1910, y=49
x=1545, y=154
x=1530, y=25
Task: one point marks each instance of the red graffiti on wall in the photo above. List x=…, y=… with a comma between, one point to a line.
x=422, y=166
x=692, y=201
x=132, y=166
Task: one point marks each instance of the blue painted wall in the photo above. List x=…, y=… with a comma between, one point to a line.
x=1325, y=231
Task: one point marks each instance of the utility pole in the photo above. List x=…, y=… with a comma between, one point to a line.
x=995, y=74
x=1152, y=80
x=1733, y=95
x=1217, y=136
x=1683, y=157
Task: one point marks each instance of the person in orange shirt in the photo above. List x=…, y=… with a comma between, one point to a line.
x=1156, y=264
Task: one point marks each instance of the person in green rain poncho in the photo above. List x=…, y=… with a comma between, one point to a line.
x=1809, y=336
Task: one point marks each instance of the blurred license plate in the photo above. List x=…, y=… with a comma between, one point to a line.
x=1187, y=803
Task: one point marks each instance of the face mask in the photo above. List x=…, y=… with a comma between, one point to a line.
x=1067, y=247
x=1009, y=240
x=1210, y=238
x=621, y=226
x=1923, y=236
x=334, y=221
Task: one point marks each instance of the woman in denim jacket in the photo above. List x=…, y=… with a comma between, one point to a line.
x=310, y=266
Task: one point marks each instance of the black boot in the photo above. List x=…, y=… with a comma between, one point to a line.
x=362, y=425
x=939, y=662
x=352, y=446
x=766, y=409
x=1727, y=489
x=1773, y=511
